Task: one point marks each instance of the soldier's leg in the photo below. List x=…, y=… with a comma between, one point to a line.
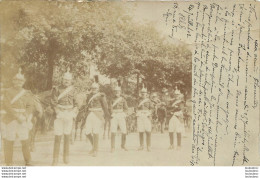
x=179, y=140
x=56, y=149
x=141, y=139
x=113, y=129
x=96, y=130
x=8, y=151
x=10, y=135
x=148, y=141
x=96, y=140
x=171, y=130
x=148, y=129
x=26, y=152
x=66, y=149
x=122, y=126
x=89, y=128
x=140, y=128
x=58, y=131
x=171, y=140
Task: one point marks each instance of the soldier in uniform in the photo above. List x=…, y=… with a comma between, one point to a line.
x=144, y=119
x=166, y=100
x=16, y=124
x=97, y=109
x=66, y=109
x=176, y=123
x=118, y=111
x=156, y=102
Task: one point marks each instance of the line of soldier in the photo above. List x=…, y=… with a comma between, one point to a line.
x=16, y=113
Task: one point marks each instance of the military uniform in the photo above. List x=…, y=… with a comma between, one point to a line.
x=65, y=106
x=144, y=121
x=162, y=113
x=63, y=100
x=16, y=123
x=18, y=106
x=166, y=99
x=176, y=123
x=118, y=110
x=97, y=109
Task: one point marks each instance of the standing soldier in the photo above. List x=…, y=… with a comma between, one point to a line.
x=144, y=117
x=165, y=99
x=64, y=103
x=97, y=109
x=17, y=121
x=118, y=110
x=176, y=123
x=156, y=102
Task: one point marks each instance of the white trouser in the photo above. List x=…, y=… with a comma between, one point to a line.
x=175, y=125
x=14, y=130
x=118, y=119
x=93, y=122
x=144, y=122
x=64, y=122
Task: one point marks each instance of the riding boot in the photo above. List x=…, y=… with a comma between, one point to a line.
x=113, y=137
x=141, y=139
x=171, y=141
x=90, y=138
x=56, y=150
x=66, y=149
x=179, y=140
x=123, y=142
x=26, y=152
x=96, y=137
x=148, y=141
x=8, y=150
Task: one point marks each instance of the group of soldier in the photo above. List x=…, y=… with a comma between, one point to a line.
x=16, y=114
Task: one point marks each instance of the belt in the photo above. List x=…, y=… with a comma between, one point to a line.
x=19, y=110
x=64, y=106
x=95, y=109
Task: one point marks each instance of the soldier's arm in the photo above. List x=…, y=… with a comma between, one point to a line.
x=7, y=105
x=125, y=107
x=29, y=102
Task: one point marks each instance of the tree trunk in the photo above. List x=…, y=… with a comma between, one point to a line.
x=51, y=56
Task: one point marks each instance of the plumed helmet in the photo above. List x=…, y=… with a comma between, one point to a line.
x=19, y=75
x=67, y=75
x=143, y=90
x=118, y=86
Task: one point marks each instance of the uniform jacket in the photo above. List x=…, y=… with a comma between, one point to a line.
x=99, y=101
x=122, y=104
x=66, y=100
x=24, y=102
x=148, y=105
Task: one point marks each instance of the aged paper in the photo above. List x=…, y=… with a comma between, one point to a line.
x=225, y=96
x=202, y=57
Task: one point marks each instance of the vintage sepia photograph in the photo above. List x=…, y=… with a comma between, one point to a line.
x=93, y=84
x=129, y=83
